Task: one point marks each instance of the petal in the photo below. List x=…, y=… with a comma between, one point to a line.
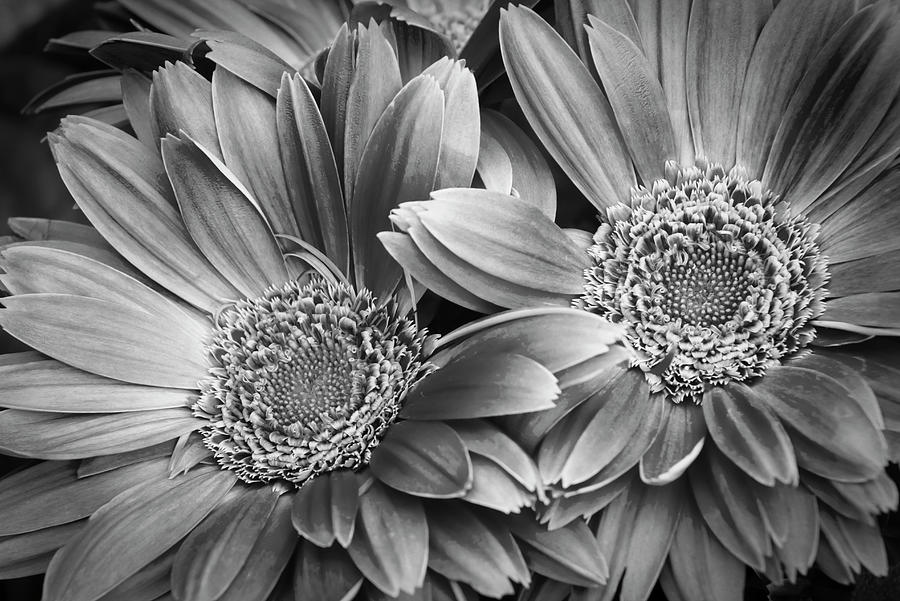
x=375, y=82
x=326, y=574
x=34, y=228
x=181, y=100
x=62, y=436
x=462, y=124
x=335, y=89
x=837, y=106
x=529, y=175
x=267, y=560
x=311, y=172
x=574, y=504
x=876, y=309
x=565, y=107
x=132, y=530
x=108, y=339
x=120, y=186
x=701, y=567
x=105, y=463
x=876, y=273
x=398, y=164
x=569, y=554
x=468, y=547
x=494, y=488
x=482, y=386
x=46, y=385
x=483, y=438
x=222, y=218
x=636, y=97
x=720, y=41
x=246, y=58
x=782, y=55
x=29, y=499
x=325, y=509
x=798, y=551
x=216, y=550
x=848, y=370
x=680, y=440
x=749, y=433
x=136, y=98
x=425, y=459
x=245, y=122
x=29, y=554
x=831, y=434
x=147, y=584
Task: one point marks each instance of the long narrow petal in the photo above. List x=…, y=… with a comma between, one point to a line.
x=390, y=544
x=782, y=55
x=28, y=554
x=483, y=438
x=130, y=531
x=29, y=499
x=106, y=463
x=878, y=309
x=799, y=549
x=136, y=99
x=720, y=40
x=223, y=219
x=311, y=172
x=466, y=546
x=375, y=82
x=749, y=433
x=636, y=97
x=482, y=386
x=701, y=567
x=105, y=338
x=214, y=553
x=571, y=553
x=116, y=182
x=837, y=106
x=148, y=583
x=336, y=88
x=47, y=385
x=565, y=107
x=267, y=560
x=246, y=58
x=529, y=176
x=324, y=511
x=494, y=488
x=680, y=440
x=62, y=436
x=326, y=574
x=181, y=100
x=35, y=228
x=425, y=459
x=398, y=164
x=462, y=125
x=245, y=123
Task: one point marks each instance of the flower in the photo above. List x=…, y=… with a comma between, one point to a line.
x=229, y=390
x=743, y=160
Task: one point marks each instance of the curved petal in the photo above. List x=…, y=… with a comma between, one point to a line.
x=246, y=58
x=721, y=36
x=425, y=459
x=636, y=97
x=483, y=438
x=324, y=510
x=390, y=544
x=181, y=100
x=130, y=531
x=565, y=107
x=494, y=488
x=482, y=386
x=245, y=123
x=875, y=309
x=29, y=554
x=222, y=218
x=569, y=554
x=326, y=574
x=680, y=440
x=701, y=567
x=61, y=436
x=105, y=338
x=749, y=433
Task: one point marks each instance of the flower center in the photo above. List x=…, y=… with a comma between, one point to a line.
x=456, y=19
x=307, y=379
x=712, y=281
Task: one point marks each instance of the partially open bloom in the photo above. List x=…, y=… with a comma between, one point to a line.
x=228, y=387
x=744, y=164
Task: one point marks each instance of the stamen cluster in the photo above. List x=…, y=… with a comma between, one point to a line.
x=712, y=277
x=307, y=379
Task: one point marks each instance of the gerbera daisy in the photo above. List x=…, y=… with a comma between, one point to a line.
x=744, y=164
x=217, y=415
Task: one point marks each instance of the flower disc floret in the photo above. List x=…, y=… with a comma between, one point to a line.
x=712, y=277
x=307, y=379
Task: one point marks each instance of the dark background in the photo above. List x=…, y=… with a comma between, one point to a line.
x=30, y=186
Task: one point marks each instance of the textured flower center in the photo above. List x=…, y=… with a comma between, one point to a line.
x=308, y=378
x=456, y=19
x=712, y=282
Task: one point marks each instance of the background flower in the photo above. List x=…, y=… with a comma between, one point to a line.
x=719, y=439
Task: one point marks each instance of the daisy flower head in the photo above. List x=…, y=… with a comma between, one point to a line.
x=743, y=159
x=228, y=388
